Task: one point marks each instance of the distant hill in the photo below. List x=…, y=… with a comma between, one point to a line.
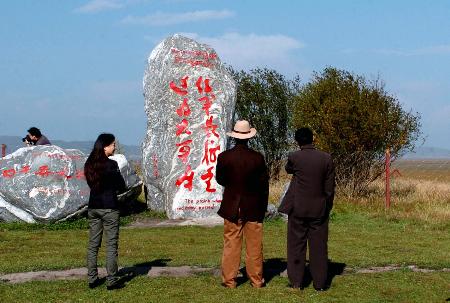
x=133, y=152
x=428, y=153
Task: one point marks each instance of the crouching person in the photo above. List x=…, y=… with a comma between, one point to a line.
x=243, y=173
x=105, y=181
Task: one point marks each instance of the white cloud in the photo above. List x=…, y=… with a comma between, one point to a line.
x=163, y=19
x=95, y=6
x=252, y=50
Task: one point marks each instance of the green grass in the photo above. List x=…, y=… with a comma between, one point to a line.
x=356, y=239
x=399, y=286
x=72, y=224
x=359, y=238
x=78, y=223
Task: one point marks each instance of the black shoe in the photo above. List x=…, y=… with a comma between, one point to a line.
x=96, y=283
x=117, y=285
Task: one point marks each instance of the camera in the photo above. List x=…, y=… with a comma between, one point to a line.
x=27, y=140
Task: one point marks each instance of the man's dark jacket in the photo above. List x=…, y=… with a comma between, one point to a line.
x=311, y=191
x=104, y=196
x=243, y=173
x=43, y=141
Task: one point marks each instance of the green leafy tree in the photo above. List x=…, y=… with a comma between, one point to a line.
x=355, y=120
x=264, y=98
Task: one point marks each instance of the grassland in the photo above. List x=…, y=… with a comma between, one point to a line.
x=363, y=234
x=402, y=286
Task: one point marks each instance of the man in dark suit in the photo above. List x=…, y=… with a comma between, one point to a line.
x=243, y=173
x=308, y=202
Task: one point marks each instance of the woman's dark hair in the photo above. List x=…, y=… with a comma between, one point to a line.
x=304, y=136
x=95, y=162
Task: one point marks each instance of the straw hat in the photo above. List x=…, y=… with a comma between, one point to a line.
x=242, y=130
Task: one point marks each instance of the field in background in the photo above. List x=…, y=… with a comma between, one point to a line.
x=420, y=190
x=429, y=169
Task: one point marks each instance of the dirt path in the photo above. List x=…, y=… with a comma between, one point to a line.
x=180, y=271
x=152, y=222
x=81, y=273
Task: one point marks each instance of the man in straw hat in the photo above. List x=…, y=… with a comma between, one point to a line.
x=243, y=173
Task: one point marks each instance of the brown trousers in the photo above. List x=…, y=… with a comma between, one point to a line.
x=252, y=232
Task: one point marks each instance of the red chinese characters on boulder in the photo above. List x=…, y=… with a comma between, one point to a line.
x=43, y=171
x=180, y=91
x=194, y=58
x=211, y=147
x=9, y=173
x=211, y=144
x=210, y=153
x=79, y=174
x=210, y=127
x=207, y=178
x=182, y=128
x=184, y=109
x=62, y=173
x=184, y=150
x=187, y=177
x=25, y=169
x=155, y=165
x=203, y=87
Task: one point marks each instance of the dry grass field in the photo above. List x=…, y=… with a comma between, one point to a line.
x=420, y=190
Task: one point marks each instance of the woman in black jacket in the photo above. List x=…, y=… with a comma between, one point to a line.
x=105, y=181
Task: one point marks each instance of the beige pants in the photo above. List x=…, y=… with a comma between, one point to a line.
x=252, y=232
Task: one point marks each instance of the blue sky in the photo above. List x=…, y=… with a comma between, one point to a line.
x=75, y=68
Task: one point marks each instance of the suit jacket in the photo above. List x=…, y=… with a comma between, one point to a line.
x=311, y=191
x=111, y=183
x=243, y=173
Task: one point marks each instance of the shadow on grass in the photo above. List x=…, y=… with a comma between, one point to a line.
x=334, y=269
x=141, y=269
x=276, y=266
x=273, y=267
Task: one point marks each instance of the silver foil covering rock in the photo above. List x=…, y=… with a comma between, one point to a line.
x=46, y=183
x=189, y=102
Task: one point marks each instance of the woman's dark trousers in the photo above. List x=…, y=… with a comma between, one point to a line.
x=103, y=220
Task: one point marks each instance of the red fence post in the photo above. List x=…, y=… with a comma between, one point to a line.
x=388, y=178
x=3, y=150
